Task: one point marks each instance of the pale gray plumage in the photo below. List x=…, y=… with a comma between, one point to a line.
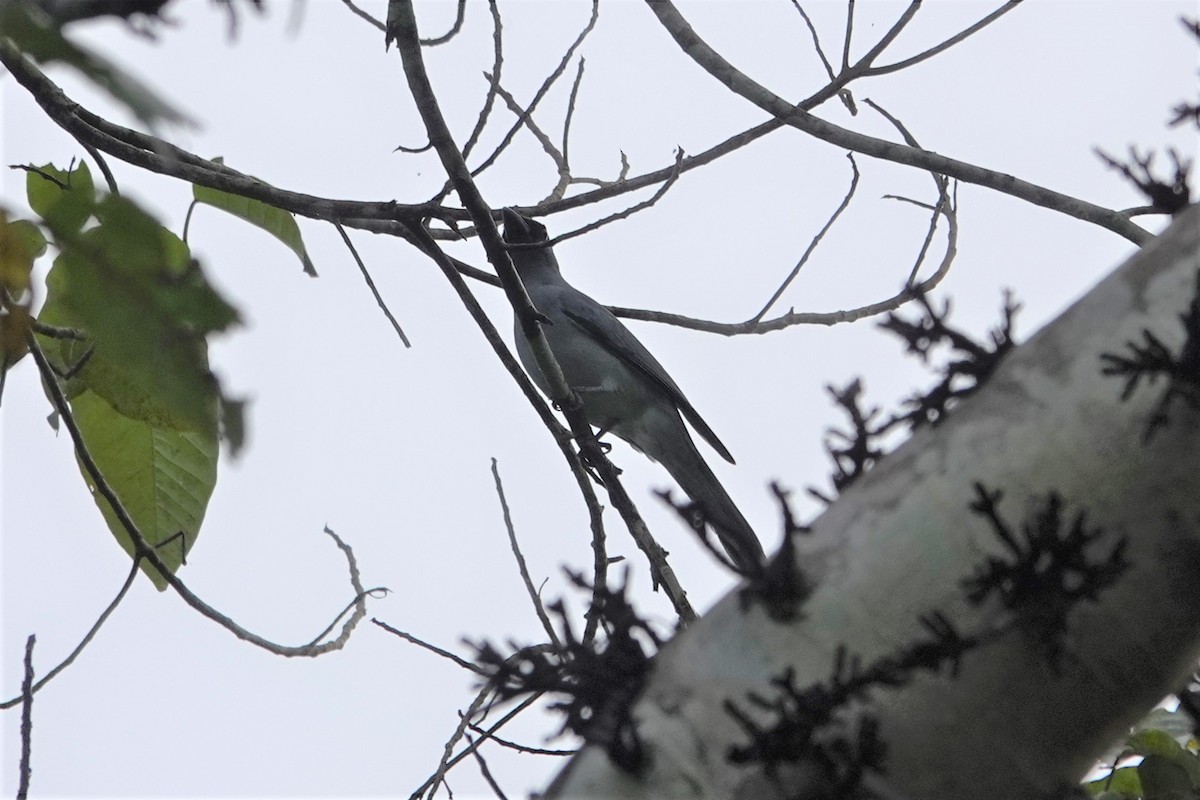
x=622, y=386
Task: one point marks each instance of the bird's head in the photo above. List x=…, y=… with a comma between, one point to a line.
x=520, y=229
x=530, y=253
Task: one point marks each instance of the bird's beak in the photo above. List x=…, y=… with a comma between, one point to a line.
x=516, y=227
x=520, y=229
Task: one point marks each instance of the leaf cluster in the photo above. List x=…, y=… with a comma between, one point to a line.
x=1047, y=569
x=1151, y=358
x=599, y=680
x=814, y=724
x=125, y=327
x=855, y=451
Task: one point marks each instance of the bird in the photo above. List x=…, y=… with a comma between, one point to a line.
x=623, y=388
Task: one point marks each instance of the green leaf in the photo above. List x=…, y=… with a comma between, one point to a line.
x=1160, y=745
x=17, y=254
x=1163, y=779
x=32, y=237
x=275, y=221
x=146, y=309
x=1123, y=782
x=36, y=35
x=1154, y=742
x=64, y=199
x=134, y=311
x=163, y=478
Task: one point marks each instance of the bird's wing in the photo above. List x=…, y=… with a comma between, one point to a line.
x=602, y=326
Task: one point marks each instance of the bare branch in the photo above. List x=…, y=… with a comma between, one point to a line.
x=87, y=638
x=848, y=35
x=812, y=30
x=26, y=770
x=497, y=66
x=560, y=162
x=566, y=134
x=439, y=133
x=408, y=637
x=797, y=117
x=591, y=226
x=387, y=312
x=947, y=44
x=448, y=758
x=436, y=778
x=523, y=748
x=944, y=207
x=537, y=98
x=816, y=240
x=143, y=551
x=461, y=15
x=899, y=25
x=534, y=596
x=484, y=770
x=158, y=155
x=358, y=12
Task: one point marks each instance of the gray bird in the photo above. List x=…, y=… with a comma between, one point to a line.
x=623, y=388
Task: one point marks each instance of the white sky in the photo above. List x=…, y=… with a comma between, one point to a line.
x=391, y=447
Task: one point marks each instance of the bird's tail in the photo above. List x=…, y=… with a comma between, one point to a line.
x=688, y=468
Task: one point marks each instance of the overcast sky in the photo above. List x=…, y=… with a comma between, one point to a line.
x=391, y=447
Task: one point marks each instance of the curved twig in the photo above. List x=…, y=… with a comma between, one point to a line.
x=816, y=240
x=460, y=15
x=143, y=551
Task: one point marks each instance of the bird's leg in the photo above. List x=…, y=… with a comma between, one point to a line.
x=605, y=447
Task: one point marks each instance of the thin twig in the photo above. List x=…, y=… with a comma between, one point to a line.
x=448, y=759
x=484, y=770
x=944, y=206
x=91, y=634
x=537, y=98
x=524, y=748
x=109, y=178
x=387, y=312
x=497, y=65
x=566, y=134
x=408, y=637
x=461, y=15
x=358, y=12
x=816, y=240
x=849, y=34
x=797, y=117
x=560, y=163
x=143, y=551
x=26, y=769
x=948, y=43
x=534, y=596
x=812, y=30
x=524, y=704
x=628, y=212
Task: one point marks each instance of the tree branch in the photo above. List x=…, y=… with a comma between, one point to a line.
x=795, y=116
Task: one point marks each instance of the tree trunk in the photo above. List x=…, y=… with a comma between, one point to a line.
x=1018, y=720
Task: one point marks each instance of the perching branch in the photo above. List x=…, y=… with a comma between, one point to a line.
x=405, y=34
